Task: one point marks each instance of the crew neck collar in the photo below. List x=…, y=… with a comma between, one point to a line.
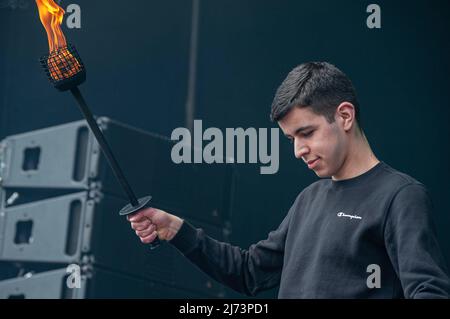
x=344, y=183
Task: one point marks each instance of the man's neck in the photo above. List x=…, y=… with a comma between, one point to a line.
x=359, y=160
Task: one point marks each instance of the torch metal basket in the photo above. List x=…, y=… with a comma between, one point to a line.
x=64, y=68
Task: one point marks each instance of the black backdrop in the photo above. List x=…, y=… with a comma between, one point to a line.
x=137, y=59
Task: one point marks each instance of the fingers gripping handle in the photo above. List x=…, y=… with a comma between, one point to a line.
x=154, y=244
x=130, y=209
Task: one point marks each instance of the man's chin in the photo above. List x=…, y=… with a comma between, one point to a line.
x=322, y=174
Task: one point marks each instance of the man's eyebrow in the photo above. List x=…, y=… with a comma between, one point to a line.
x=300, y=129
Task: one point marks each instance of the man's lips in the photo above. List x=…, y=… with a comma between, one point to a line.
x=313, y=162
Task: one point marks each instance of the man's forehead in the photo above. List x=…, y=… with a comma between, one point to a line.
x=304, y=114
x=299, y=118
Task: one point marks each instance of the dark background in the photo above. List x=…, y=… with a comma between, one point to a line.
x=137, y=59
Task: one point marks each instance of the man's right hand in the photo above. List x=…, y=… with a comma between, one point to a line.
x=150, y=223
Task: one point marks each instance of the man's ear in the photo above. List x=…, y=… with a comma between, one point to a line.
x=345, y=114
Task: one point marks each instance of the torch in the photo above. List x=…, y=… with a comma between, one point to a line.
x=66, y=71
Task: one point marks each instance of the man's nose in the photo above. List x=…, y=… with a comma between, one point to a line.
x=300, y=150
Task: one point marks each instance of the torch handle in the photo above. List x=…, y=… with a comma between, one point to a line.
x=104, y=145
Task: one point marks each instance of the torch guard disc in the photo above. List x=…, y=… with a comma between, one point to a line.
x=130, y=209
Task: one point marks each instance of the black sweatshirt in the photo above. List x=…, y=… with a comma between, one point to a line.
x=337, y=240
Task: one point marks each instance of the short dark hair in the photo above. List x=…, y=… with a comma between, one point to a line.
x=318, y=85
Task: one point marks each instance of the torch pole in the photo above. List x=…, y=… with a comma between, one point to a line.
x=67, y=58
x=135, y=204
x=104, y=145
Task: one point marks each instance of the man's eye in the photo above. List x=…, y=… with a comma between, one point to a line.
x=308, y=134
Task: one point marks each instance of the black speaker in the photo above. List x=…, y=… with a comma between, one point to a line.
x=67, y=157
x=93, y=283
x=59, y=204
x=80, y=229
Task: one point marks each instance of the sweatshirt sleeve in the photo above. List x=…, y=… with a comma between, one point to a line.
x=412, y=244
x=246, y=271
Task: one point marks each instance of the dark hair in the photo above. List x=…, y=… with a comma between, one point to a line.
x=318, y=85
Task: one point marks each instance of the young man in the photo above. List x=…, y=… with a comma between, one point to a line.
x=366, y=232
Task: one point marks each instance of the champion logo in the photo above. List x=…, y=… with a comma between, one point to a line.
x=341, y=214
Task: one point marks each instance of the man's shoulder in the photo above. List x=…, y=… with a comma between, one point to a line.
x=398, y=176
x=395, y=180
x=315, y=187
x=386, y=178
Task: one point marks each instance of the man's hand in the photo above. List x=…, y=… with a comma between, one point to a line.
x=151, y=222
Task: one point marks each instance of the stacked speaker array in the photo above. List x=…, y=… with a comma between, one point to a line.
x=59, y=204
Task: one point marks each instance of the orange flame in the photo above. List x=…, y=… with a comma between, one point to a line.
x=62, y=64
x=51, y=16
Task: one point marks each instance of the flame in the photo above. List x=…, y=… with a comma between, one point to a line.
x=61, y=63
x=51, y=16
